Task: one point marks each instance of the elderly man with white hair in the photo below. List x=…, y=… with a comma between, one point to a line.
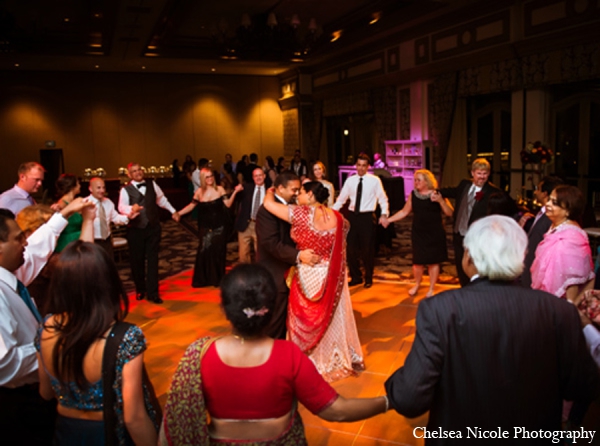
x=493, y=356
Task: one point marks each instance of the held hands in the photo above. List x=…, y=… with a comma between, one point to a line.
x=135, y=211
x=77, y=205
x=89, y=212
x=308, y=257
x=383, y=221
x=176, y=216
x=436, y=196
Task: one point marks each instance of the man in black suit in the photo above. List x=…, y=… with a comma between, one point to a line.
x=245, y=224
x=299, y=166
x=249, y=169
x=494, y=355
x=144, y=197
x=471, y=203
x=540, y=226
x=277, y=251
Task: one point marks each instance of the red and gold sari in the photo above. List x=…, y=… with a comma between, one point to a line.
x=320, y=317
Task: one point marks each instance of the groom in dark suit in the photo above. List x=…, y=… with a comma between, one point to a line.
x=277, y=251
x=494, y=355
x=471, y=203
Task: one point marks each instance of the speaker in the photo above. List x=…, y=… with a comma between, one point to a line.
x=54, y=163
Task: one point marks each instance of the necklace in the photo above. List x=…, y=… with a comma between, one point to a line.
x=239, y=338
x=559, y=225
x=422, y=196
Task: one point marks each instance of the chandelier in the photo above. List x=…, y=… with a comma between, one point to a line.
x=265, y=38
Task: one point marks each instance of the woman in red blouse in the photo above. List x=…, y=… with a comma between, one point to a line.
x=249, y=383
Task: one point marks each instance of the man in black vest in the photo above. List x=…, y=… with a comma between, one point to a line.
x=143, y=231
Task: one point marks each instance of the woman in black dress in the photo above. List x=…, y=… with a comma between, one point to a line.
x=213, y=219
x=428, y=235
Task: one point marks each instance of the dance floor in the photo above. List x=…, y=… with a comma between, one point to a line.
x=385, y=316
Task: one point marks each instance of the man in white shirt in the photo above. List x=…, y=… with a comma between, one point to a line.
x=144, y=197
x=202, y=163
x=364, y=191
x=31, y=175
x=105, y=215
x=25, y=418
x=245, y=223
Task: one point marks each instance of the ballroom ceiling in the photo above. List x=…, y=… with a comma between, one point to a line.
x=263, y=37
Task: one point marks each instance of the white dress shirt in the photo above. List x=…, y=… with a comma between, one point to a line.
x=110, y=213
x=372, y=193
x=40, y=246
x=161, y=200
x=18, y=326
x=196, y=179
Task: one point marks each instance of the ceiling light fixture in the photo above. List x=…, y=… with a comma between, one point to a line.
x=375, y=17
x=264, y=37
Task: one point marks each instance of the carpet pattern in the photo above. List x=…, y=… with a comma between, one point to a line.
x=179, y=245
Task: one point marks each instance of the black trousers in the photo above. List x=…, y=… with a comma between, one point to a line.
x=26, y=419
x=361, y=244
x=277, y=328
x=459, y=251
x=144, y=244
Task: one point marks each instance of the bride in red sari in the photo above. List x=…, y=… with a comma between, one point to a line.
x=320, y=319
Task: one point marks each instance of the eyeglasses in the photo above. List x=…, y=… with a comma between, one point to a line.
x=209, y=176
x=555, y=202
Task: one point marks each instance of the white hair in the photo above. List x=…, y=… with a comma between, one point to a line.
x=497, y=245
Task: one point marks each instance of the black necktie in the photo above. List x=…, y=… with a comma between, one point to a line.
x=140, y=185
x=358, y=196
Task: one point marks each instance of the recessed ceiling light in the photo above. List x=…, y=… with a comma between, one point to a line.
x=143, y=67
x=17, y=65
x=151, y=47
x=151, y=54
x=66, y=19
x=95, y=45
x=96, y=66
x=213, y=69
x=97, y=15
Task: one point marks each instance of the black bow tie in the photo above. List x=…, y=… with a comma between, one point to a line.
x=140, y=185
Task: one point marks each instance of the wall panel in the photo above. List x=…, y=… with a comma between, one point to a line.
x=109, y=119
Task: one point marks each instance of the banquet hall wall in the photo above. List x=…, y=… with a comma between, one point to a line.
x=109, y=119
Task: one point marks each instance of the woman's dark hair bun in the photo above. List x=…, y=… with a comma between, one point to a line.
x=320, y=192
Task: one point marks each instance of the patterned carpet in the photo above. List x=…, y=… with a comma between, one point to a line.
x=179, y=244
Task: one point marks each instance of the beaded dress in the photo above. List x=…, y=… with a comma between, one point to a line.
x=320, y=319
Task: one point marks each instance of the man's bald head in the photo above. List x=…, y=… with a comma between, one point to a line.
x=97, y=188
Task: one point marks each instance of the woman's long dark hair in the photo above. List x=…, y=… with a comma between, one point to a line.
x=65, y=184
x=87, y=296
